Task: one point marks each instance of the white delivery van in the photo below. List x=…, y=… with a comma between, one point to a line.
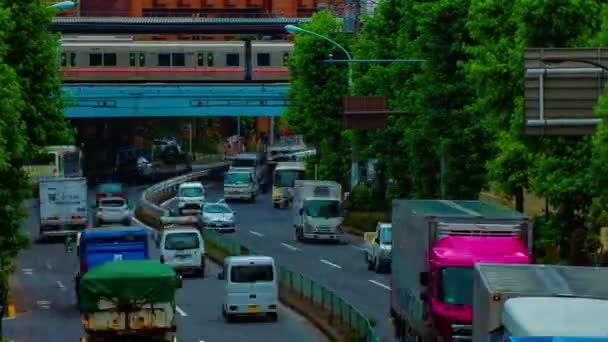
x=63, y=206
x=190, y=198
x=251, y=286
x=183, y=249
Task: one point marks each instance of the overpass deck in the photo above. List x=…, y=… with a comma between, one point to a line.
x=175, y=100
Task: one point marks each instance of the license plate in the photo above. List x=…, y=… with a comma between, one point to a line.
x=253, y=308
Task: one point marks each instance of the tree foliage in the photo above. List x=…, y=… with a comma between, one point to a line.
x=317, y=89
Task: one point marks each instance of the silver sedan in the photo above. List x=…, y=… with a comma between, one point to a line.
x=218, y=216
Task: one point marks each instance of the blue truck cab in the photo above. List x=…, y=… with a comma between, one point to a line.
x=95, y=246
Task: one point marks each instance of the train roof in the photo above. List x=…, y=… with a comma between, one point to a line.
x=166, y=43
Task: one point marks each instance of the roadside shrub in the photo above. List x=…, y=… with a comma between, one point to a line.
x=361, y=198
x=365, y=221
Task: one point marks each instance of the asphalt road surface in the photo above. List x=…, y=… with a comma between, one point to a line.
x=341, y=267
x=46, y=305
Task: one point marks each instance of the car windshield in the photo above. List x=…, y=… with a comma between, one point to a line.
x=323, y=208
x=251, y=273
x=115, y=203
x=455, y=285
x=191, y=192
x=386, y=236
x=237, y=178
x=110, y=188
x=243, y=163
x=181, y=241
x=216, y=209
x=287, y=178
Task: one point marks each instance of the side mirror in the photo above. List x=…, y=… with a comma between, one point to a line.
x=220, y=276
x=179, y=282
x=424, y=278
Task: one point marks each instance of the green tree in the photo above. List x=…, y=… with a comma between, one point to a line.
x=13, y=147
x=317, y=89
x=32, y=51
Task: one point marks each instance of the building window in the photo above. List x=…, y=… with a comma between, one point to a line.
x=109, y=59
x=285, y=58
x=200, y=59
x=210, y=59
x=73, y=58
x=142, y=59
x=164, y=59
x=263, y=59
x=178, y=59
x=95, y=59
x=232, y=59
x=64, y=60
x=132, y=59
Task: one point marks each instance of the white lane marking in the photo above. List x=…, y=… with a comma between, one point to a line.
x=60, y=284
x=256, y=233
x=380, y=284
x=28, y=271
x=48, y=265
x=44, y=304
x=180, y=311
x=290, y=246
x=330, y=263
x=358, y=248
x=167, y=201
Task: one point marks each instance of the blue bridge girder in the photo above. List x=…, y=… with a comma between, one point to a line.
x=152, y=25
x=175, y=100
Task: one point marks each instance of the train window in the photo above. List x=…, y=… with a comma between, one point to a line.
x=285, y=58
x=263, y=59
x=178, y=59
x=64, y=61
x=200, y=59
x=164, y=59
x=73, y=58
x=232, y=59
x=142, y=59
x=132, y=59
x=210, y=59
x=95, y=59
x=109, y=59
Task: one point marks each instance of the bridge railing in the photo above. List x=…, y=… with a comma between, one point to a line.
x=327, y=303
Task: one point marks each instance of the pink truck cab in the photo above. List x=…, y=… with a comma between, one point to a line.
x=435, y=247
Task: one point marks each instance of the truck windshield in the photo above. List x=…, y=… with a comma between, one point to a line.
x=287, y=178
x=191, y=192
x=181, y=241
x=251, y=274
x=237, y=178
x=323, y=208
x=386, y=236
x=455, y=285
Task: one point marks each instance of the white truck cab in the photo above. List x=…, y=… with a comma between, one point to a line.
x=378, y=246
x=190, y=197
x=317, y=210
x=251, y=286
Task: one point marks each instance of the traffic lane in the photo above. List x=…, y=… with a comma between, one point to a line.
x=199, y=313
x=341, y=267
x=42, y=287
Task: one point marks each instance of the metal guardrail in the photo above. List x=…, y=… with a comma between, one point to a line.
x=334, y=308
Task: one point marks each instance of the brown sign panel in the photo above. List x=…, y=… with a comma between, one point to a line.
x=366, y=112
x=562, y=87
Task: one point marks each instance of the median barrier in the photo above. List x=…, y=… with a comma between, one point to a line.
x=296, y=289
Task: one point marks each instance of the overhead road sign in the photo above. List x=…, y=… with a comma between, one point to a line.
x=149, y=25
x=562, y=86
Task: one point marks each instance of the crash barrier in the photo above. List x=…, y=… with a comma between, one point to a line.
x=334, y=308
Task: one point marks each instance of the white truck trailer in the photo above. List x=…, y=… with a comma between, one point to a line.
x=317, y=210
x=500, y=309
x=63, y=206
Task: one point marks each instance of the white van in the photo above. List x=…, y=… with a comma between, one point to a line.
x=251, y=286
x=183, y=249
x=190, y=198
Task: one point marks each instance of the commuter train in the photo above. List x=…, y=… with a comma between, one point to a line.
x=98, y=61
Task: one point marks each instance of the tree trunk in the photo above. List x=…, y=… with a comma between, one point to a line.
x=519, y=199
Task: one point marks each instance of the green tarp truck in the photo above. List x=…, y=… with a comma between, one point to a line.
x=129, y=298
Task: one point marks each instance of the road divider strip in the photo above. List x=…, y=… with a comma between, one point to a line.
x=334, y=316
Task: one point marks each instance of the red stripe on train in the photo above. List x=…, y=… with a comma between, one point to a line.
x=173, y=70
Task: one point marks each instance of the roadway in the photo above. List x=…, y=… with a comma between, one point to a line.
x=42, y=286
x=341, y=267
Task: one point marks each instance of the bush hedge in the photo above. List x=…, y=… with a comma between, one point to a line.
x=365, y=221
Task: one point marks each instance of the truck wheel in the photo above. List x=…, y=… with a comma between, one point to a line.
x=253, y=198
x=273, y=316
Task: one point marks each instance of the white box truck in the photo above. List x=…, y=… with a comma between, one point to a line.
x=529, y=300
x=63, y=206
x=317, y=210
